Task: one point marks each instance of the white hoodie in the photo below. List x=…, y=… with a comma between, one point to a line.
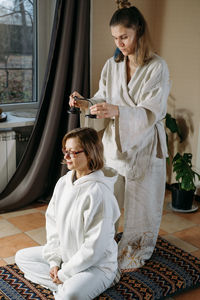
x=80, y=227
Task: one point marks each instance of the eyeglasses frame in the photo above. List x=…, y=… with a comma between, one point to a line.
x=73, y=153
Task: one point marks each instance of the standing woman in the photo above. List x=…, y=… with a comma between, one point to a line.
x=132, y=98
x=79, y=260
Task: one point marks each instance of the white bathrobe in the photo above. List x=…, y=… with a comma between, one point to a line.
x=135, y=146
x=80, y=225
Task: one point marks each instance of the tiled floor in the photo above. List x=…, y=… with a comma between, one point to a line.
x=20, y=229
x=25, y=228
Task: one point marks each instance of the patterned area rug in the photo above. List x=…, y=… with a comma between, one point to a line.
x=169, y=272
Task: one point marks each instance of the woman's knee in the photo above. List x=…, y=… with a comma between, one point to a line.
x=19, y=257
x=26, y=255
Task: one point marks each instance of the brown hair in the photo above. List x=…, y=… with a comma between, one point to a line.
x=91, y=144
x=132, y=18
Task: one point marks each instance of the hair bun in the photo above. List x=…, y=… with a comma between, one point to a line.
x=123, y=4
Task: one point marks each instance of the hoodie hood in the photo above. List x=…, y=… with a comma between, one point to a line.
x=107, y=176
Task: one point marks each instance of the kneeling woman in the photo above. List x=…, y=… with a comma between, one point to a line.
x=79, y=260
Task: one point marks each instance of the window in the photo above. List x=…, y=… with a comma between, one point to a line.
x=17, y=51
x=25, y=33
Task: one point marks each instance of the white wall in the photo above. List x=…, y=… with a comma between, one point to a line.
x=177, y=38
x=102, y=46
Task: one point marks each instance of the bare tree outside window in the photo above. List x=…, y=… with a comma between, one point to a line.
x=17, y=70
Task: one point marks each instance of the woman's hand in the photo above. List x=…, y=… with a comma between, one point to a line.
x=54, y=275
x=82, y=104
x=57, y=281
x=104, y=110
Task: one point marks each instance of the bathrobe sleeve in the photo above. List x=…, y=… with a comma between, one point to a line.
x=139, y=119
x=98, y=221
x=51, y=251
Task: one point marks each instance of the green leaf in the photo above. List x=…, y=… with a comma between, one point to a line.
x=168, y=160
x=185, y=175
x=172, y=125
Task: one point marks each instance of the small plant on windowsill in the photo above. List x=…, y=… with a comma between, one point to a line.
x=184, y=188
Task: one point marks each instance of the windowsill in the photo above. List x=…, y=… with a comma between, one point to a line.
x=17, y=121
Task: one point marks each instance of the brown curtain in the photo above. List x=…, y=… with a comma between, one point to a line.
x=67, y=70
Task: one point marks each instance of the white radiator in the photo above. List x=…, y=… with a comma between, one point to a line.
x=7, y=157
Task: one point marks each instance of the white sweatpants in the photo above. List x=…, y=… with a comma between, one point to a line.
x=82, y=286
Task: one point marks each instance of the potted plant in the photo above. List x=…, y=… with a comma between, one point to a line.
x=183, y=190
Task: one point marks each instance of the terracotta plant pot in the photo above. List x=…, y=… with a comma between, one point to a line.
x=181, y=199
